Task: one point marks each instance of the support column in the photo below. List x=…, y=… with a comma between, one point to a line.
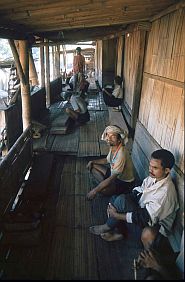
x=42, y=69
x=25, y=88
x=48, y=92
x=33, y=77
x=22, y=64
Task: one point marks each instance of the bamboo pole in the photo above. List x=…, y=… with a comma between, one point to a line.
x=25, y=88
x=33, y=77
x=48, y=92
x=42, y=66
x=57, y=58
x=53, y=62
x=17, y=61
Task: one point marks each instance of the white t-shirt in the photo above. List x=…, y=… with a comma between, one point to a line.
x=121, y=164
x=118, y=92
x=78, y=103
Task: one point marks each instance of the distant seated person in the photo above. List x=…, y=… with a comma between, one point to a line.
x=70, y=83
x=82, y=84
x=114, y=98
x=79, y=111
x=68, y=78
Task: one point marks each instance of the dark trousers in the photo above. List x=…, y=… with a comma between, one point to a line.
x=111, y=101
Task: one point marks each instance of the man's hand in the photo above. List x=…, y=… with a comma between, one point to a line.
x=111, y=211
x=148, y=259
x=90, y=165
x=91, y=195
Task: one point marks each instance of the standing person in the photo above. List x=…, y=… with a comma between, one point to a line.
x=154, y=202
x=114, y=98
x=115, y=172
x=79, y=111
x=78, y=67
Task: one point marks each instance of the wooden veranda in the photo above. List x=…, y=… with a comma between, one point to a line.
x=62, y=248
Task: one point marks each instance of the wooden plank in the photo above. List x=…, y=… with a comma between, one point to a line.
x=44, y=143
x=88, y=132
x=88, y=149
x=170, y=9
x=85, y=263
x=65, y=212
x=163, y=79
x=58, y=130
x=102, y=121
x=70, y=164
x=116, y=118
x=66, y=143
x=60, y=266
x=81, y=183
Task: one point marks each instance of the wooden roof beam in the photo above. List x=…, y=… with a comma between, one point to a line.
x=169, y=10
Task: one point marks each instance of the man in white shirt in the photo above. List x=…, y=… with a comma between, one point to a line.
x=114, y=98
x=154, y=202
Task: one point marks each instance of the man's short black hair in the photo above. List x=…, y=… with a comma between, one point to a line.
x=78, y=49
x=166, y=157
x=118, y=79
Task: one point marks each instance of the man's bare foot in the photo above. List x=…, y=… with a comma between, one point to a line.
x=98, y=229
x=111, y=236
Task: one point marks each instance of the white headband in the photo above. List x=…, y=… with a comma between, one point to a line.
x=117, y=130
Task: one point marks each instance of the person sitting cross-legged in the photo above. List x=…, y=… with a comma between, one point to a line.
x=114, y=98
x=115, y=172
x=154, y=202
x=79, y=112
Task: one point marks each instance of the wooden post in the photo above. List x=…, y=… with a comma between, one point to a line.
x=17, y=61
x=33, y=77
x=53, y=62
x=57, y=60
x=25, y=88
x=64, y=58
x=42, y=69
x=48, y=98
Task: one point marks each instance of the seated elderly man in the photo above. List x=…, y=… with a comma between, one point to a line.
x=115, y=172
x=154, y=202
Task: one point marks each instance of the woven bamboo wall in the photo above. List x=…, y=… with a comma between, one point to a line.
x=119, y=55
x=132, y=73
x=108, y=60
x=162, y=99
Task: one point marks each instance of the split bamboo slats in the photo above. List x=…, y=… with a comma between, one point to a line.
x=162, y=98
